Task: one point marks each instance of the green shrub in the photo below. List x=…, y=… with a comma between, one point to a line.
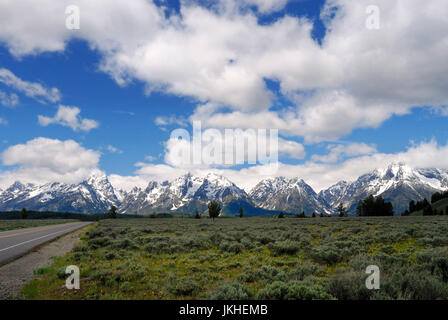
x=293, y=290
x=349, y=286
x=80, y=248
x=284, y=247
x=124, y=244
x=41, y=271
x=99, y=242
x=182, y=286
x=264, y=273
x=233, y=291
x=303, y=271
x=326, y=254
x=440, y=267
x=61, y=273
x=110, y=255
x=426, y=256
x=231, y=247
x=415, y=286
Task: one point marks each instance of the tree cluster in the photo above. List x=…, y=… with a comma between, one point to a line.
x=426, y=207
x=374, y=207
x=418, y=205
x=439, y=196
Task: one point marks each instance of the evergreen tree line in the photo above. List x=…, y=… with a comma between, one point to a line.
x=418, y=205
x=439, y=196
x=426, y=207
x=374, y=207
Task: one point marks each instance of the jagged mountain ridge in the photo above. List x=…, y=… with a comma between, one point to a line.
x=397, y=183
x=290, y=195
x=184, y=194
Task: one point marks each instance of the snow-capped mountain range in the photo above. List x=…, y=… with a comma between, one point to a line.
x=398, y=183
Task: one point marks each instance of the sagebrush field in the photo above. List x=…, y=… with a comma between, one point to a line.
x=254, y=258
x=6, y=225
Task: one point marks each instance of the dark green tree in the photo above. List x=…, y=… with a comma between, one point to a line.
x=301, y=215
x=196, y=215
x=412, y=206
x=313, y=215
x=281, y=215
x=341, y=210
x=24, y=213
x=113, y=212
x=214, y=209
x=241, y=212
x=427, y=211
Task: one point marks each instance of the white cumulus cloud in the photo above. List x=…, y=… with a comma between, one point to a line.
x=46, y=160
x=69, y=117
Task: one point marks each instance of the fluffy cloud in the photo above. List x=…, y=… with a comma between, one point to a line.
x=325, y=116
x=291, y=149
x=69, y=117
x=3, y=122
x=45, y=160
x=31, y=89
x=349, y=150
x=8, y=100
x=224, y=148
x=222, y=55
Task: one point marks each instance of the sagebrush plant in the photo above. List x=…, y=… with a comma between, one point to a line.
x=255, y=258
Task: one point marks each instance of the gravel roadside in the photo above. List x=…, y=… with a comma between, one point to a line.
x=15, y=275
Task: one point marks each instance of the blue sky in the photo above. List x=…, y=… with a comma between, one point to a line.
x=320, y=76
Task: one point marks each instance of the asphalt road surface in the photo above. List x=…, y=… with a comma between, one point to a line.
x=16, y=243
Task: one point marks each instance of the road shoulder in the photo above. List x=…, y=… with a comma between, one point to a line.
x=14, y=275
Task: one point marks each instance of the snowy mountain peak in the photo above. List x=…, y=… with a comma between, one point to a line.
x=398, y=182
x=17, y=186
x=288, y=194
x=218, y=180
x=396, y=171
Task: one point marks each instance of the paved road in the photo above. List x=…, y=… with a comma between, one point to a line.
x=16, y=243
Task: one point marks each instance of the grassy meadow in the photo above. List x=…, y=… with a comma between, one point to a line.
x=254, y=258
x=6, y=225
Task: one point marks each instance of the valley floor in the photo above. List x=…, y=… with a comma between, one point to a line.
x=254, y=258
